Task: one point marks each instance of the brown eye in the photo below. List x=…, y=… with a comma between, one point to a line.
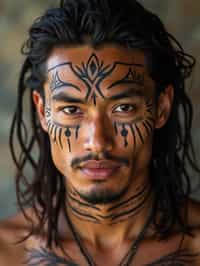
x=70, y=110
x=124, y=108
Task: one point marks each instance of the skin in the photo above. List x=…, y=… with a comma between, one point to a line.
x=112, y=117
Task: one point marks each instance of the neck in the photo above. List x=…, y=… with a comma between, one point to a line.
x=125, y=216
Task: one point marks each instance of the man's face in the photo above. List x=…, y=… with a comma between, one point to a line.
x=100, y=117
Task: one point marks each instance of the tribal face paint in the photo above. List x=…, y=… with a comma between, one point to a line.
x=100, y=105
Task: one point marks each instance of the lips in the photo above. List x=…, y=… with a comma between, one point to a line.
x=92, y=164
x=99, y=169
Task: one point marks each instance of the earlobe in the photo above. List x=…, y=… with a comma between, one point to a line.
x=39, y=105
x=164, y=106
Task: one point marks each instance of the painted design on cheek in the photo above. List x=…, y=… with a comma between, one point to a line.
x=48, y=112
x=149, y=106
x=67, y=132
x=115, y=127
x=68, y=135
x=56, y=131
x=137, y=126
x=124, y=134
x=139, y=133
x=124, y=131
x=149, y=121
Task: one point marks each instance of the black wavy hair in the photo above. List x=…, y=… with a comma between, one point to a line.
x=128, y=24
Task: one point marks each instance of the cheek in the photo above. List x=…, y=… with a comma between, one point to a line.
x=139, y=131
x=64, y=141
x=142, y=153
x=63, y=136
x=59, y=148
x=134, y=136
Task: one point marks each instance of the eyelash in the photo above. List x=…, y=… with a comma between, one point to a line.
x=133, y=107
x=63, y=109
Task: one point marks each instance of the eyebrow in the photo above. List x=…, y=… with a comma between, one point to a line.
x=131, y=92
x=64, y=97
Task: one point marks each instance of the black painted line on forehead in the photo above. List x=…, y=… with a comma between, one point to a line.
x=115, y=63
x=56, y=83
x=132, y=77
x=129, y=64
x=57, y=66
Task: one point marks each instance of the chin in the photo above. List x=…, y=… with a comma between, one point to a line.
x=102, y=195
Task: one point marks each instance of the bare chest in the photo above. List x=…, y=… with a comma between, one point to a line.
x=149, y=253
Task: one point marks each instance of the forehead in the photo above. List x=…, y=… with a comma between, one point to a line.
x=108, y=53
x=100, y=66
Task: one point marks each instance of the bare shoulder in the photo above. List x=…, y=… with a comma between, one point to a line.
x=12, y=231
x=193, y=242
x=194, y=214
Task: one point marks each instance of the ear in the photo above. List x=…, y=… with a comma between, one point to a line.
x=39, y=105
x=164, y=106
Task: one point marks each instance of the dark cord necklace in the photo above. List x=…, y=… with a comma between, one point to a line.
x=127, y=259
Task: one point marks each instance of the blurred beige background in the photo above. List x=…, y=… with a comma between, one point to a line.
x=182, y=18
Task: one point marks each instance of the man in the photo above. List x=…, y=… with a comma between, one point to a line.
x=106, y=143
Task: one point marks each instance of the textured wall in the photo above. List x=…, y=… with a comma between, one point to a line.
x=180, y=16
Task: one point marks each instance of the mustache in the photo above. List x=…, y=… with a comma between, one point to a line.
x=105, y=156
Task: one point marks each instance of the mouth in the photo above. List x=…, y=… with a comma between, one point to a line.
x=99, y=170
x=99, y=173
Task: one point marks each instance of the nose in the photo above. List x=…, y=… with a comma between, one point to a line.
x=99, y=136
